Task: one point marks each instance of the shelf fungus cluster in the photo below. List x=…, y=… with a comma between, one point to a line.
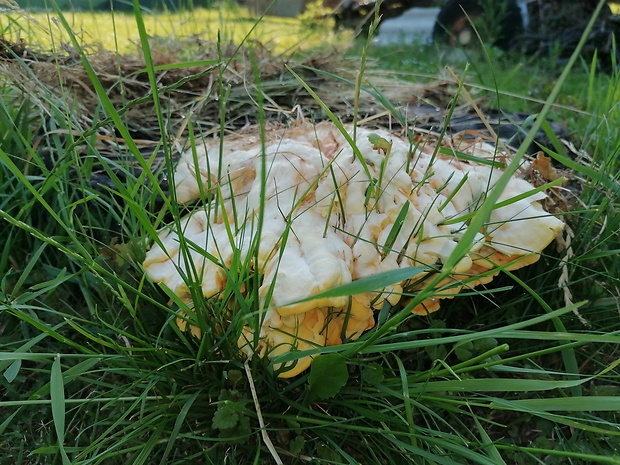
x=318, y=208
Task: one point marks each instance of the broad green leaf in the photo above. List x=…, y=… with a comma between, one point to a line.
x=464, y=351
x=484, y=344
x=327, y=376
x=327, y=454
x=372, y=373
x=296, y=445
x=225, y=417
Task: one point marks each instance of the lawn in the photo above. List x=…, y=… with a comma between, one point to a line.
x=118, y=32
x=98, y=364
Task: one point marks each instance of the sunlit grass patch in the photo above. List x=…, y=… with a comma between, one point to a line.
x=118, y=31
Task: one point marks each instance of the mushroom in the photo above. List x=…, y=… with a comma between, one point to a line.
x=324, y=213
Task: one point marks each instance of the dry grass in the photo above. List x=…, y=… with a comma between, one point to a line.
x=191, y=91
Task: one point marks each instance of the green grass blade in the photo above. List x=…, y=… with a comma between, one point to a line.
x=568, y=404
x=57, y=396
x=368, y=284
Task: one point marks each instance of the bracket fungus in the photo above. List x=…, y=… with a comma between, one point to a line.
x=325, y=208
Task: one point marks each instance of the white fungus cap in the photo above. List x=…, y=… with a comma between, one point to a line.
x=328, y=218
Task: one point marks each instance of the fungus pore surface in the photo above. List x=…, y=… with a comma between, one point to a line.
x=311, y=212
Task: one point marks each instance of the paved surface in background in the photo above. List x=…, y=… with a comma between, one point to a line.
x=415, y=24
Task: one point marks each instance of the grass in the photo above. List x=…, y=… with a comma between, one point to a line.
x=92, y=29
x=94, y=370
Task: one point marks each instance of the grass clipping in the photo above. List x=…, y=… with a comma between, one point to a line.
x=321, y=206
